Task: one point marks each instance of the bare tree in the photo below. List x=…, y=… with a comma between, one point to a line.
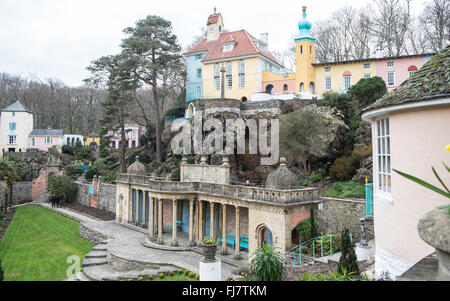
x=435, y=22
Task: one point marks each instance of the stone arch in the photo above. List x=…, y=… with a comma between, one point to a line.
x=302, y=87
x=244, y=99
x=311, y=87
x=190, y=112
x=264, y=235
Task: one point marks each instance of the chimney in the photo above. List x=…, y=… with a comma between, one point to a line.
x=379, y=53
x=265, y=38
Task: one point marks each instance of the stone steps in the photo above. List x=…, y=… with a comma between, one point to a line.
x=99, y=247
x=107, y=273
x=87, y=262
x=96, y=254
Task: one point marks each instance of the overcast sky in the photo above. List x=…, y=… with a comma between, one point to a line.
x=59, y=38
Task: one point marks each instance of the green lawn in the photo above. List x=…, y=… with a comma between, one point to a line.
x=37, y=244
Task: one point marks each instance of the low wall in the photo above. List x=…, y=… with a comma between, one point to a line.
x=91, y=235
x=22, y=192
x=337, y=214
x=106, y=196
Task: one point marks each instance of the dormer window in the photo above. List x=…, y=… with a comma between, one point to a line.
x=228, y=47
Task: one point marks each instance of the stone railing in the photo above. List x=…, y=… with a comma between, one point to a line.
x=233, y=191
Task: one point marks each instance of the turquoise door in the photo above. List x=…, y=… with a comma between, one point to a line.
x=269, y=238
x=141, y=203
x=133, y=205
x=185, y=217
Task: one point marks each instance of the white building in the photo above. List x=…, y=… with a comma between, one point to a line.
x=16, y=124
x=72, y=140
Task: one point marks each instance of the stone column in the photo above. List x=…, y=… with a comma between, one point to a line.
x=211, y=219
x=238, y=235
x=201, y=222
x=137, y=207
x=144, y=208
x=191, y=242
x=151, y=222
x=160, y=222
x=174, y=223
x=224, y=229
x=155, y=217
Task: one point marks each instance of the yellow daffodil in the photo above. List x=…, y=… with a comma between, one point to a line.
x=447, y=148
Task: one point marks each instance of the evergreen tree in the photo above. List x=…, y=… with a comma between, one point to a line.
x=314, y=232
x=348, y=261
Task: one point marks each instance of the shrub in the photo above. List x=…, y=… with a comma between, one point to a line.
x=197, y=276
x=304, y=228
x=67, y=149
x=74, y=171
x=337, y=276
x=84, y=153
x=171, y=273
x=190, y=160
x=161, y=275
x=111, y=177
x=175, y=176
x=2, y=278
x=180, y=271
x=177, y=111
x=267, y=264
x=344, y=168
x=303, y=182
x=92, y=171
x=150, y=277
x=186, y=272
x=350, y=189
x=348, y=262
x=191, y=275
x=313, y=178
x=368, y=90
x=62, y=187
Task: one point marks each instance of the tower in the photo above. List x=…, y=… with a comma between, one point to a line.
x=214, y=26
x=306, y=56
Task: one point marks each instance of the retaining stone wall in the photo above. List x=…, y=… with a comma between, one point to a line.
x=22, y=191
x=106, y=196
x=91, y=235
x=338, y=214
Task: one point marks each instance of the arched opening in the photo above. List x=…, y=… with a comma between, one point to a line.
x=244, y=99
x=311, y=87
x=302, y=87
x=265, y=236
x=269, y=89
x=190, y=111
x=285, y=88
x=93, y=146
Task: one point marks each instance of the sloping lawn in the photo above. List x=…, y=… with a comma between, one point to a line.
x=37, y=244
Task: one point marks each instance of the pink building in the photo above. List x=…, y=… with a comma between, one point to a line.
x=133, y=132
x=45, y=139
x=395, y=70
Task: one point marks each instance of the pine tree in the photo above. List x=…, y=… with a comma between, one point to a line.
x=348, y=261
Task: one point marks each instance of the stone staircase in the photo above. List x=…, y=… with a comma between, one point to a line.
x=42, y=199
x=96, y=267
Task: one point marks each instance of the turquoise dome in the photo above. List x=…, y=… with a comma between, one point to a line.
x=304, y=26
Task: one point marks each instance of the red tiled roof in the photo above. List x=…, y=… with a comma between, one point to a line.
x=244, y=45
x=212, y=19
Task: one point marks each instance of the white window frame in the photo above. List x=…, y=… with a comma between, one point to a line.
x=411, y=73
x=241, y=74
x=33, y=142
x=48, y=140
x=199, y=92
x=366, y=66
x=217, y=77
x=383, y=160
x=366, y=75
x=12, y=140
x=229, y=77
x=327, y=69
x=199, y=72
x=347, y=82
x=390, y=64
x=331, y=83
x=393, y=78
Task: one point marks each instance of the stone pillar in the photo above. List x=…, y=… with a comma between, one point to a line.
x=160, y=222
x=238, y=235
x=201, y=222
x=137, y=207
x=191, y=242
x=144, y=208
x=174, y=223
x=224, y=229
x=155, y=220
x=151, y=221
x=211, y=219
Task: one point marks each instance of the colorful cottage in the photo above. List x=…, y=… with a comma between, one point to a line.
x=16, y=123
x=42, y=139
x=133, y=132
x=251, y=70
x=409, y=134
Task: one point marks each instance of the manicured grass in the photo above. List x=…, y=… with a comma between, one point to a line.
x=37, y=244
x=348, y=189
x=176, y=277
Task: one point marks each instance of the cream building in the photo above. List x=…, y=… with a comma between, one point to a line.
x=16, y=123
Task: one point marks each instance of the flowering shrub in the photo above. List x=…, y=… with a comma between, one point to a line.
x=209, y=241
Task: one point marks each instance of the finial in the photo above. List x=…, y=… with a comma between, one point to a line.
x=283, y=161
x=304, y=8
x=137, y=158
x=215, y=9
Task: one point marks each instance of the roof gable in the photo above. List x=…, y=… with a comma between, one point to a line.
x=46, y=132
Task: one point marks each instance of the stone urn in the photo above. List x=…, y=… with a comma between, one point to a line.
x=434, y=229
x=209, y=251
